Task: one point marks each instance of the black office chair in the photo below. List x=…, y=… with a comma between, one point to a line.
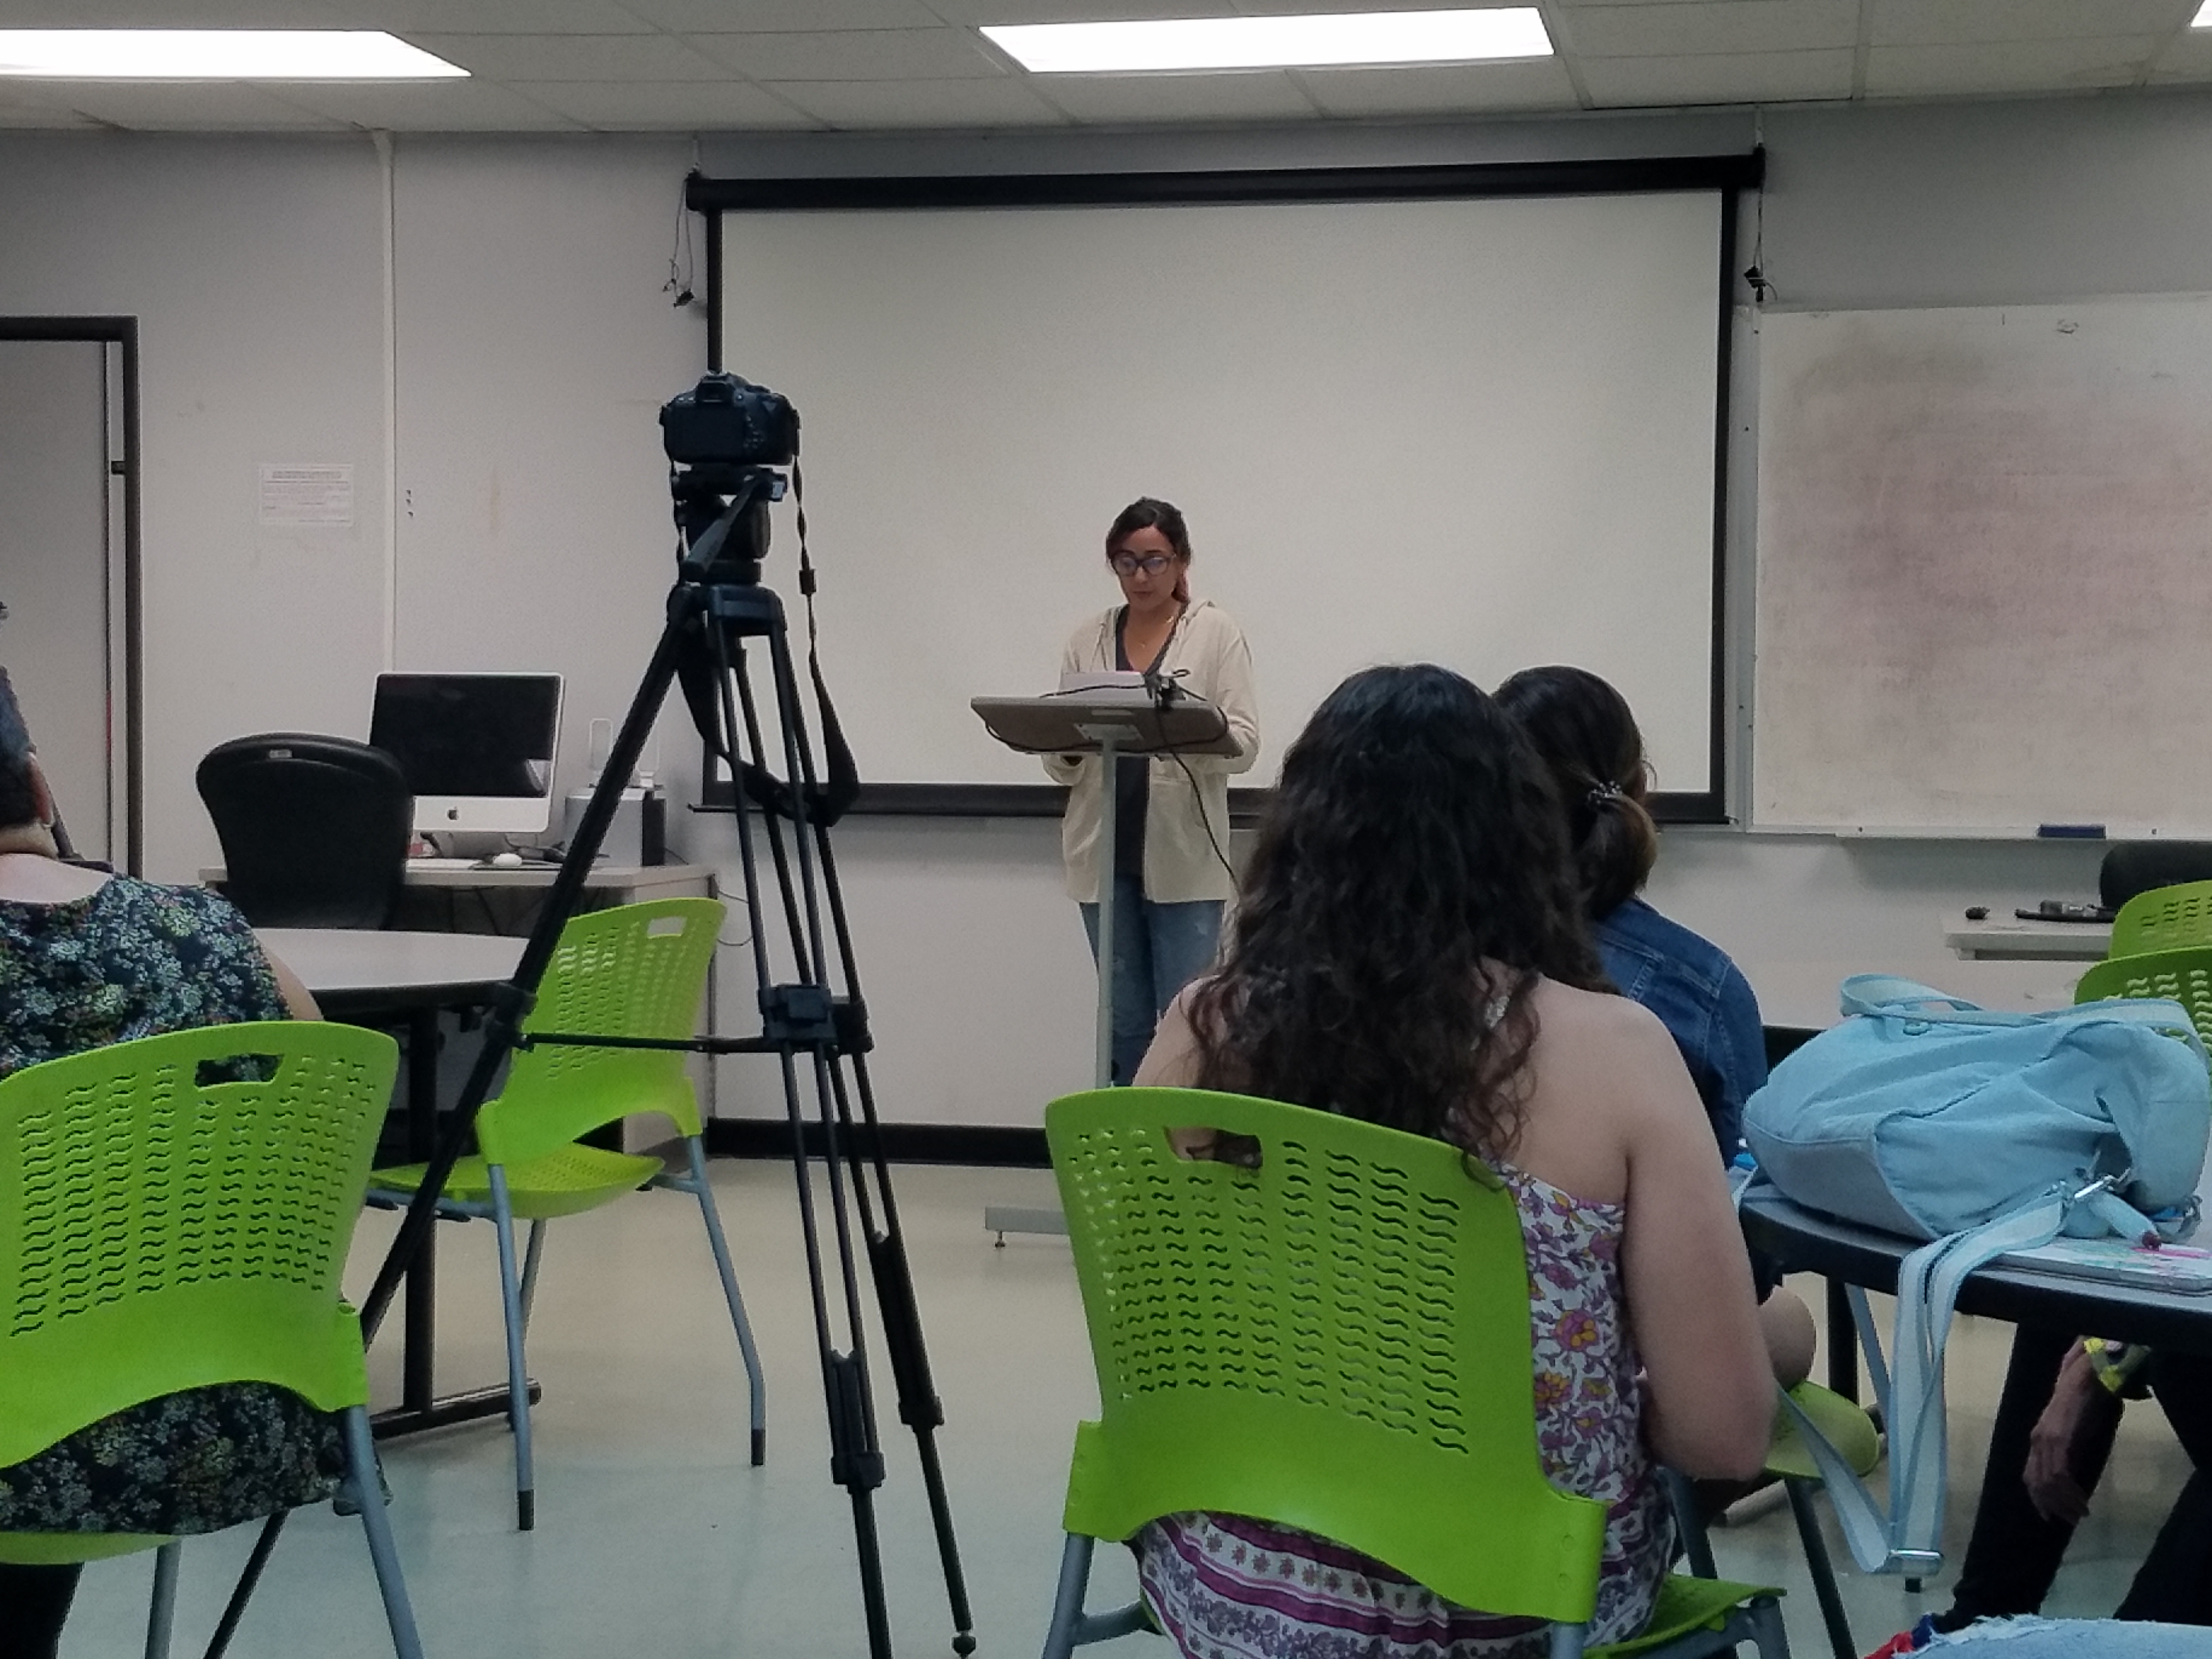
x=315, y=830
x=2137, y=867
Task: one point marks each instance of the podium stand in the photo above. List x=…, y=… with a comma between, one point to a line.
x=1109, y=725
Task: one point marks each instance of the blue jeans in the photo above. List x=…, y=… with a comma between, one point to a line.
x=1158, y=950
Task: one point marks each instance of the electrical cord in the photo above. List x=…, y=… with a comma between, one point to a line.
x=1163, y=693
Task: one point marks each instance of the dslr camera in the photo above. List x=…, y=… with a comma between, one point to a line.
x=727, y=421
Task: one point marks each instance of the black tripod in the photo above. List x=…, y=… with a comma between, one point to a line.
x=717, y=606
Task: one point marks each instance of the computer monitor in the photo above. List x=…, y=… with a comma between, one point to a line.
x=477, y=749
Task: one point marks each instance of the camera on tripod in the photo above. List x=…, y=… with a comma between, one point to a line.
x=725, y=439
x=728, y=420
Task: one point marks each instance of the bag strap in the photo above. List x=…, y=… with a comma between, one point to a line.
x=1908, y=1539
x=1881, y=994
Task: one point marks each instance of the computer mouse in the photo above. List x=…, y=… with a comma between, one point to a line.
x=507, y=860
x=1978, y=913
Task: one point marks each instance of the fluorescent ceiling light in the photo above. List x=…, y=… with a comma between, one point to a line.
x=1233, y=42
x=217, y=55
x=2204, y=18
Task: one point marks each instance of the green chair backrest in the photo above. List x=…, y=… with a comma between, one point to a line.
x=2184, y=975
x=158, y=1233
x=1336, y=1340
x=634, y=970
x=2163, y=918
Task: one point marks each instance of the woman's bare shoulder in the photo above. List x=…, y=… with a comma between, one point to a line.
x=1596, y=1016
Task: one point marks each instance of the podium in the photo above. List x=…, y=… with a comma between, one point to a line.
x=1107, y=724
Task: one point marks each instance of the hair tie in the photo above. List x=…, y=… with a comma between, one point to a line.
x=1602, y=793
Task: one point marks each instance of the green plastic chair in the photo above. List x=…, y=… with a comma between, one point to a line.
x=634, y=970
x=1852, y=1433
x=2163, y=918
x=2185, y=975
x=158, y=1234
x=1335, y=1339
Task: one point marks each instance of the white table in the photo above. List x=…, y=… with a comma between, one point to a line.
x=362, y=969
x=2003, y=935
x=385, y=978
x=1801, y=995
x=631, y=881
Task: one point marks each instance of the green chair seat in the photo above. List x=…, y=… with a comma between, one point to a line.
x=567, y=1180
x=1685, y=1606
x=1845, y=1423
x=57, y=1549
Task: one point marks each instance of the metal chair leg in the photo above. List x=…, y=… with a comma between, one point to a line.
x=1067, y=1601
x=163, y=1614
x=518, y=1377
x=1768, y=1635
x=531, y=1252
x=756, y=1383
x=1690, y=1524
x=1823, y=1572
x=368, y=1495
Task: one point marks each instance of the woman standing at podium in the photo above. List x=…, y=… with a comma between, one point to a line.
x=1170, y=873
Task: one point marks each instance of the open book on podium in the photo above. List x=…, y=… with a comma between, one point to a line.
x=1092, y=714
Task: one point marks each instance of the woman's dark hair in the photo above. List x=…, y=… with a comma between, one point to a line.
x=1584, y=731
x=1408, y=886
x=18, y=804
x=1147, y=512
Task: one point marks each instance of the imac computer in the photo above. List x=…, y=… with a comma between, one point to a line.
x=477, y=749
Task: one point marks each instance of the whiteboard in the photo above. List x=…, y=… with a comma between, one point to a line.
x=1480, y=433
x=1984, y=572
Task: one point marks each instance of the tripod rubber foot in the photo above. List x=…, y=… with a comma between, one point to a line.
x=964, y=1644
x=525, y=1511
x=760, y=1447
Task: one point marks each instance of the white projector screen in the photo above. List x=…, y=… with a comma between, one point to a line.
x=1478, y=432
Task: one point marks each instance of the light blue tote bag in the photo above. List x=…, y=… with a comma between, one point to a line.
x=1985, y=1132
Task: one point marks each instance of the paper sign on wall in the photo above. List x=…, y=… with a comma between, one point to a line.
x=310, y=496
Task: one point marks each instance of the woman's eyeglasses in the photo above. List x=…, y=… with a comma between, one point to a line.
x=1128, y=564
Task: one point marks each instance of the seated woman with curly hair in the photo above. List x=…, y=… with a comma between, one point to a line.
x=1409, y=949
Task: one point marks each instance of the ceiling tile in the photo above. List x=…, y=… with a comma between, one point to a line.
x=691, y=106
x=572, y=57
x=2006, y=66
x=1006, y=102
x=31, y=118
x=2189, y=58
x=721, y=17
x=1442, y=89
x=1108, y=99
x=495, y=17
x=470, y=106
x=938, y=54
x=1780, y=77
x=1710, y=26
x=1064, y=11
x=190, y=106
x=173, y=14
x=1974, y=22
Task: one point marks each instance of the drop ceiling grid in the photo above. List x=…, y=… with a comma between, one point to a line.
x=784, y=64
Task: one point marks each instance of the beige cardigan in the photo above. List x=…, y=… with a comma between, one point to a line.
x=1208, y=654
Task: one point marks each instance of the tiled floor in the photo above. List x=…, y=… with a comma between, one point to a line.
x=654, y=1538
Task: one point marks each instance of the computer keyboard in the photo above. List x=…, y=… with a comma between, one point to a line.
x=444, y=863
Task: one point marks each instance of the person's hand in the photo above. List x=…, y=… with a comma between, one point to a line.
x=2077, y=1399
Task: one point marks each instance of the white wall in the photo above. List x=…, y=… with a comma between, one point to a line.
x=533, y=343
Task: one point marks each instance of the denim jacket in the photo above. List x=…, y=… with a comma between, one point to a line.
x=1703, y=1000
